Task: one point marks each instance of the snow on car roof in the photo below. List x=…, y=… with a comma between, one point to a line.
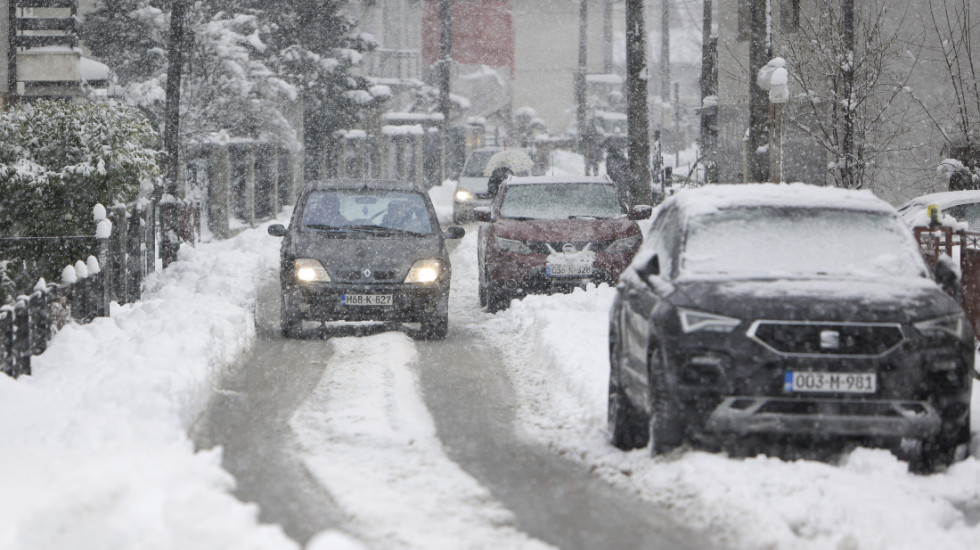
x=944, y=198
x=537, y=180
x=714, y=197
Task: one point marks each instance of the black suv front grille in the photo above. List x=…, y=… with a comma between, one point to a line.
x=359, y=276
x=827, y=339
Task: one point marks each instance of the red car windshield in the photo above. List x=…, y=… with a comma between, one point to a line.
x=561, y=201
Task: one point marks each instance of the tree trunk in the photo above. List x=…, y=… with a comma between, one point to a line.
x=709, y=87
x=760, y=51
x=848, y=162
x=445, y=62
x=580, y=113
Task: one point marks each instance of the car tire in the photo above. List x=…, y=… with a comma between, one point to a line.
x=483, y=294
x=943, y=450
x=627, y=426
x=497, y=299
x=435, y=327
x=666, y=427
x=290, y=323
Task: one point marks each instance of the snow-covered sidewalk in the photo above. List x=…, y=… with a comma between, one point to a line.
x=94, y=451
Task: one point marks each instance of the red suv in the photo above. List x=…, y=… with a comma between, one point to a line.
x=551, y=234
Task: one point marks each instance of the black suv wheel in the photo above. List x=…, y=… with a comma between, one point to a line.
x=627, y=425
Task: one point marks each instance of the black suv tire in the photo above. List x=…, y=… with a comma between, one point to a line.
x=627, y=426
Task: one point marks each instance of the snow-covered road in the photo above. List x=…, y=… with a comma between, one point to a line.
x=94, y=451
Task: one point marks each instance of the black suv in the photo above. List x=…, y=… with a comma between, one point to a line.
x=776, y=315
x=365, y=250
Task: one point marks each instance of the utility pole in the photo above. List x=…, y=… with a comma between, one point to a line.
x=847, y=141
x=665, y=51
x=637, y=113
x=760, y=51
x=445, y=73
x=11, y=51
x=171, y=137
x=607, y=36
x=580, y=118
x=709, y=88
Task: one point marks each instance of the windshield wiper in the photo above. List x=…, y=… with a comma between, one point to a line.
x=324, y=227
x=519, y=218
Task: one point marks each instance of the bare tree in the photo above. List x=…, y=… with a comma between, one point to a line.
x=853, y=68
x=952, y=23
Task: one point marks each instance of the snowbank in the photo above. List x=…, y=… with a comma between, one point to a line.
x=93, y=446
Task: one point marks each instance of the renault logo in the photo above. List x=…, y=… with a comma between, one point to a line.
x=366, y=273
x=829, y=339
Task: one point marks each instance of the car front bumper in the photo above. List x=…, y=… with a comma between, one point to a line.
x=528, y=274
x=324, y=302
x=891, y=419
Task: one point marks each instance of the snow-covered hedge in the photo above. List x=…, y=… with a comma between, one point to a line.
x=57, y=160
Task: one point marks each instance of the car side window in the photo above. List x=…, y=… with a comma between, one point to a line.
x=662, y=239
x=966, y=213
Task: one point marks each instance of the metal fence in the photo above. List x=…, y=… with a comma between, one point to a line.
x=125, y=249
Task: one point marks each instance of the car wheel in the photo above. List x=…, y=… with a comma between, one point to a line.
x=290, y=323
x=483, y=294
x=435, y=327
x=627, y=425
x=497, y=299
x=943, y=450
x=666, y=425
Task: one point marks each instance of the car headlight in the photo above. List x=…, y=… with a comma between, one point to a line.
x=310, y=271
x=950, y=325
x=699, y=321
x=623, y=245
x=424, y=271
x=462, y=195
x=510, y=245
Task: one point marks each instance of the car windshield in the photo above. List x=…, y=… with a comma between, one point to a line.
x=367, y=210
x=553, y=201
x=799, y=242
x=476, y=163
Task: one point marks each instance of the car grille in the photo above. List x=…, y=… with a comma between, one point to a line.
x=359, y=276
x=827, y=339
x=559, y=246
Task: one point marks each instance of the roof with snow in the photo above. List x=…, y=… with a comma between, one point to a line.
x=711, y=198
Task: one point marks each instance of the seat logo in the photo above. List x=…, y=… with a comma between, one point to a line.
x=829, y=339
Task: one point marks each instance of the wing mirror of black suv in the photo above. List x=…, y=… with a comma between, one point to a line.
x=278, y=230
x=947, y=276
x=640, y=212
x=651, y=267
x=454, y=232
x=482, y=214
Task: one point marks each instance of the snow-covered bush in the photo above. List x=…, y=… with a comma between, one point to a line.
x=57, y=160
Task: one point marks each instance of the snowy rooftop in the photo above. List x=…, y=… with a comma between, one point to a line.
x=717, y=197
x=538, y=180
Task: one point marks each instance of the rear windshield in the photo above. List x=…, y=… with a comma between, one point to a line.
x=556, y=201
x=371, y=209
x=804, y=242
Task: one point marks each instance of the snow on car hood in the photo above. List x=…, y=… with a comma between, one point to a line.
x=881, y=300
x=575, y=230
x=396, y=253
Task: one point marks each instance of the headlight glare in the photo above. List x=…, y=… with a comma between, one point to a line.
x=424, y=271
x=699, y=321
x=462, y=195
x=623, y=245
x=951, y=325
x=310, y=271
x=512, y=246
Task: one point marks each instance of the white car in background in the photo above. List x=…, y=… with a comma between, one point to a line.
x=964, y=206
x=471, y=189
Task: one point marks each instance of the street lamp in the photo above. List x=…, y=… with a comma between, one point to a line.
x=774, y=78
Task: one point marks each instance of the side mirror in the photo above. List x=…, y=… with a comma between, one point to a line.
x=278, y=230
x=650, y=267
x=482, y=214
x=640, y=212
x=454, y=232
x=948, y=276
